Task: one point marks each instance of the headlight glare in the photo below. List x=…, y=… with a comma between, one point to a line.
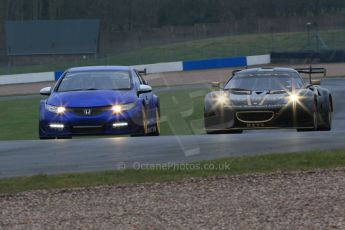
x=56, y=109
x=120, y=108
x=294, y=98
x=117, y=108
x=222, y=99
x=61, y=110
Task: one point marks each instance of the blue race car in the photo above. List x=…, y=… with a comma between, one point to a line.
x=99, y=100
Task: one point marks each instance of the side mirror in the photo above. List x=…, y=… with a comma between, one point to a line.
x=216, y=84
x=144, y=89
x=46, y=91
x=316, y=82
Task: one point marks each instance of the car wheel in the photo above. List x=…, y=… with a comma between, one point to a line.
x=157, y=126
x=143, y=125
x=315, y=121
x=327, y=126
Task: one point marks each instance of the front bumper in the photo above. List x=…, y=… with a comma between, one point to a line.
x=259, y=117
x=128, y=122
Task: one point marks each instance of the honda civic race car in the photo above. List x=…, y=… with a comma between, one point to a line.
x=262, y=98
x=99, y=100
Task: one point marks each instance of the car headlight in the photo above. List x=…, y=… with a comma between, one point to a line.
x=222, y=99
x=55, y=109
x=119, y=108
x=294, y=98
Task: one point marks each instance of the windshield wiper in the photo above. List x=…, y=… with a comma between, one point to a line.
x=70, y=90
x=122, y=89
x=91, y=89
x=78, y=90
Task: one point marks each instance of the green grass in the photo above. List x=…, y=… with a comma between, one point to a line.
x=229, y=46
x=235, y=165
x=19, y=119
x=182, y=113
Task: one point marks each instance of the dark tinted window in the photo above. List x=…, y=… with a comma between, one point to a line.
x=142, y=81
x=95, y=80
x=266, y=81
x=136, y=79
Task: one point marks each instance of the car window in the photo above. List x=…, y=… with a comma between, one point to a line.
x=265, y=81
x=141, y=78
x=136, y=79
x=95, y=80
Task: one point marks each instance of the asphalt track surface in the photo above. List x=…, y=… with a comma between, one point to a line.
x=25, y=158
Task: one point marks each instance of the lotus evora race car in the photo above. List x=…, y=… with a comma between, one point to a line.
x=99, y=100
x=263, y=98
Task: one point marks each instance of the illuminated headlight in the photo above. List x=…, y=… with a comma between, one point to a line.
x=56, y=126
x=294, y=98
x=117, y=108
x=120, y=124
x=55, y=109
x=120, y=108
x=222, y=99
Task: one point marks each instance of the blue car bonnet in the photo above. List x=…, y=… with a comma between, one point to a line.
x=91, y=98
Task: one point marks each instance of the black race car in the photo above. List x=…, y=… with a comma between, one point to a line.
x=266, y=98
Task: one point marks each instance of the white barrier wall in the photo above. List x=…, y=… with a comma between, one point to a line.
x=161, y=67
x=26, y=78
x=258, y=60
x=152, y=68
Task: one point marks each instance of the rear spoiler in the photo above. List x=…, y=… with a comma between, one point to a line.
x=311, y=70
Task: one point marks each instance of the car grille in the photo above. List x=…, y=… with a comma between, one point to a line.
x=89, y=111
x=87, y=129
x=255, y=116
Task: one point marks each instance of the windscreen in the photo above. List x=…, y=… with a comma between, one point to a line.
x=95, y=80
x=265, y=82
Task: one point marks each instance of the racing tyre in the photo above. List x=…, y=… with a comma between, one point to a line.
x=315, y=121
x=144, y=128
x=327, y=125
x=157, y=126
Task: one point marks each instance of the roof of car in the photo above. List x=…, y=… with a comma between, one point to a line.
x=258, y=70
x=99, y=68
